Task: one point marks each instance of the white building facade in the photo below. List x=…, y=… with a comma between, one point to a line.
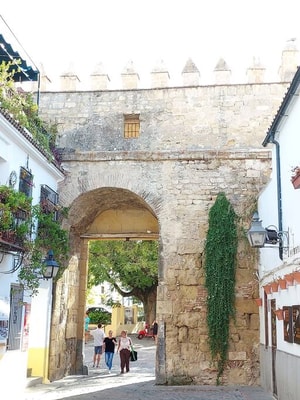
x=278, y=211
x=24, y=319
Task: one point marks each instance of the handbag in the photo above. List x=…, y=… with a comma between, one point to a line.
x=133, y=354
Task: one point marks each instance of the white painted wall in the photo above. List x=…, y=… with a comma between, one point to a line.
x=17, y=151
x=270, y=265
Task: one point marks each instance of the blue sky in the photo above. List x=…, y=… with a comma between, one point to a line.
x=58, y=33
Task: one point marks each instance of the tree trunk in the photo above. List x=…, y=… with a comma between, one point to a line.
x=149, y=303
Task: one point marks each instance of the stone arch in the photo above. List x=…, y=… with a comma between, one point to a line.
x=102, y=213
x=90, y=182
x=112, y=201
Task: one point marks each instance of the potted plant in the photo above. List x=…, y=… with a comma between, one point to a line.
x=295, y=179
x=12, y=204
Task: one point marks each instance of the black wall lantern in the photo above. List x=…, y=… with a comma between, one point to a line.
x=50, y=266
x=256, y=233
x=259, y=236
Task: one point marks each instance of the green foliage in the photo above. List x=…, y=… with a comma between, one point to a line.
x=131, y=264
x=131, y=267
x=11, y=202
x=220, y=267
x=98, y=316
x=23, y=108
x=49, y=235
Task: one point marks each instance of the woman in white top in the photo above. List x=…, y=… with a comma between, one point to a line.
x=124, y=349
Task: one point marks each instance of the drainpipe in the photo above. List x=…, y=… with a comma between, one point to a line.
x=279, y=191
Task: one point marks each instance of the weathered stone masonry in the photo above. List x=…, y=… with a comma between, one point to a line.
x=194, y=142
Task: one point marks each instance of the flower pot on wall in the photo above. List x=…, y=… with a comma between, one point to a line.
x=289, y=279
x=274, y=286
x=282, y=284
x=296, y=179
x=258, y=302
x=297, y=277
x=279, y=314
x=267, y=289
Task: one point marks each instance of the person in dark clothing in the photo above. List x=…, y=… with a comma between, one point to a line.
x=109, y=350
x=155, y=330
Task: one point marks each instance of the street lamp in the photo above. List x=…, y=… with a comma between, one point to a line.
x=50, y=266
x=259, y=236
x=256, y=234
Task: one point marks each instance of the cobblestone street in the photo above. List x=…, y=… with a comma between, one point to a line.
x=138, y=384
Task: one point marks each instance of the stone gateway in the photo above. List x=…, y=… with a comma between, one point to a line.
x=148, y=164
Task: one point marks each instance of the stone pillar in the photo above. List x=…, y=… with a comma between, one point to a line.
x=289, y=61
x=160, y=76
x=190, y=74
x=130, y=77
x=83, y=279
x=256, y=72
x=222, y=73
x=67, y=325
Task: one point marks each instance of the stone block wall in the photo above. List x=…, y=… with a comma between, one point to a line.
x=193, y=144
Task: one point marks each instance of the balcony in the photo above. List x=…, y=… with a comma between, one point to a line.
x=10, y=242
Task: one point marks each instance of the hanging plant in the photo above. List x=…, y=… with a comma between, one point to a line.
x=220, y=267
x=11, y=202
x=22, y=107
x=48, y=235
x=36, y=233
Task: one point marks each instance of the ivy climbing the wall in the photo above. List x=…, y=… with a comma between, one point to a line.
x=220, y=266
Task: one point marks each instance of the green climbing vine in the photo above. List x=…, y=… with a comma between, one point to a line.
x=220, y=266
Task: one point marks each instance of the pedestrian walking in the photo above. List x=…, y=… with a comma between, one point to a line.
x=99, y=336
x=109, y=349
x=124, y=349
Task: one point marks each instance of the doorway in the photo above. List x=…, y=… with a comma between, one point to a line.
x=15, y=317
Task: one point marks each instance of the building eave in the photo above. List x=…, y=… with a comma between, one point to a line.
x=281, y=113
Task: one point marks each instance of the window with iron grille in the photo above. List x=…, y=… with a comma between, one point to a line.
x=131, y=126
x=25, y=182
x=49, y=201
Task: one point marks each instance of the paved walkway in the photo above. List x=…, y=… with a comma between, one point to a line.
x=138, y=384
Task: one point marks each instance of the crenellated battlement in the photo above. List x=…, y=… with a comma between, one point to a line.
x=160, y=76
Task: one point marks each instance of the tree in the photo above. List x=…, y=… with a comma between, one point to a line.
x=131, y=267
